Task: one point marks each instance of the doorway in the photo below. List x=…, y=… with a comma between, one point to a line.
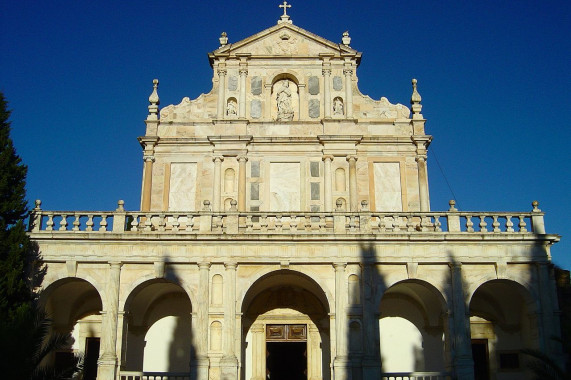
x=480, y=357
x=90, y=359
x=286, y=352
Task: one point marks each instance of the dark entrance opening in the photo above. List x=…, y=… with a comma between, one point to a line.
x=286, y=360
x=90, y=359
x=480, y=357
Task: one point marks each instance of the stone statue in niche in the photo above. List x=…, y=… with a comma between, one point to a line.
x=337, y=106
x=231, y=108
x=285, y=109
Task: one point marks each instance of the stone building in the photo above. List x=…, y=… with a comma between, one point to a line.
x=285, y=231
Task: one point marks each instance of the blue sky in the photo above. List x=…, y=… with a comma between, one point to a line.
x=493, y=75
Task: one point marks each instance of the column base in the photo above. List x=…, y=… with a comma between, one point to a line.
x=229, y=368
x=342, y=368
x=106, y=367
x=464, y=368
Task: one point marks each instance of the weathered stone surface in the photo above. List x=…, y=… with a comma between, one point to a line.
x=314, y=108
x=315, y=191
x=233, y=83
x=313, y=85
x=255, y=191
x=256, y=109
x=337, y=83
x=256, y=85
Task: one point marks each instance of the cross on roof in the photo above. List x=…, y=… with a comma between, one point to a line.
x=285, y=6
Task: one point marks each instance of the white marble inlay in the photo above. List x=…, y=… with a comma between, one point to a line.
x=285, y=186
x=182, y=192
x=388, y=192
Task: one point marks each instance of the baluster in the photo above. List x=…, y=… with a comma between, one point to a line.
x=278, y=223
x=437, y=224
x=264, y=223
x=469, y=224
x=189, y=223
x=89, y=223
x=175, y=223
x=352, y=223
x=76, y=223
x=322, y=223
x=249, y=223
x=103, y=224
x=135, y=222
x=293, y=223
x=409, y=223
x=63, y=223
x=148, y=223
x=381, y=223
x=307, y=222
x=396, y=223
x=483, y=224
x=522, y=224
x=509, y=224
x=496, y=224
x=50, y=223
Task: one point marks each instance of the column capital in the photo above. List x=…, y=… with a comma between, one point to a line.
x=326, y=71
x=348, y=72
x=339, y=266
x=231, y=265
x=218, y=158
x=115, y=264
x=241, y=158
x=204, y=265
x=148, y=158
x=455, y=266
x=327, y=157
x=221, y=71
x=243, y=71
x=421, y=158
x=351, y=158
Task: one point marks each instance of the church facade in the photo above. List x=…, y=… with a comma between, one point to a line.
x=285, y=231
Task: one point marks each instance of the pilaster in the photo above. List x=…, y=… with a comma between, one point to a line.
x=107, y=364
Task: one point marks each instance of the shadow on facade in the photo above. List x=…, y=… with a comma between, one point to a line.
x=158, y=331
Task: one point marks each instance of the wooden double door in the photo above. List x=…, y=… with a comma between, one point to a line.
x=286, y=352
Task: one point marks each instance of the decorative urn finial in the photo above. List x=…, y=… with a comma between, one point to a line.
x=223, y=39
x=154, y=101
x=415, y=101
x=346, y=39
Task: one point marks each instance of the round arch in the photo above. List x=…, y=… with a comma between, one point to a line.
x=60, y=279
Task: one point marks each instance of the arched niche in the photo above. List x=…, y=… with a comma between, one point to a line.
x=285, y=104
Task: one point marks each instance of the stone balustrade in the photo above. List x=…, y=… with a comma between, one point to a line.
x=139, y=375
x=289, y=223
x=416, y=376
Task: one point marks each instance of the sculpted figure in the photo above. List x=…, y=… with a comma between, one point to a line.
x=285, y=110
x=231, y=108
x=337, y=106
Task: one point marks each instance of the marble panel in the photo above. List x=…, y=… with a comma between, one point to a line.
x=256, y=109
x=232, y=83
x=254, y=191
x=285, y=186
x=388, y=192
x=337, y=83
x=313, y=85
x=256, y=85
x=315, y=191
x=314, y=169
x=255, y=169
x=182, y=191
x=314, y=108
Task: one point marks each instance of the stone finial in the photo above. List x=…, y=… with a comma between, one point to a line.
x=154, y=101
x=223, y=39
x=415, y=100
x=38, y=204
x=452, y=204
x=346, y=39
x=120, y=205
x=535, y=205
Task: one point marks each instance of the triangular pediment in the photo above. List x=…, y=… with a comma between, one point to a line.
x=285, y=40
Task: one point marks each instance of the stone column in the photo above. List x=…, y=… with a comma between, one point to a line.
x=341, y=364
x=221, y=92
x=327, y=179
x=229, y=361
x=258, y=352
x=462, y=361
x=372, y=357
x=348, y=92
x=327, y=91
x=313, y=353
x=108, y=360
x=147, y=182
x=242, y=182
x=423, y=184
x=242, y=101
x=200, y=328
x=217, y=183
x=354, y=201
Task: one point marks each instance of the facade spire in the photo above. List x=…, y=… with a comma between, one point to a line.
x=415, y=101
x=154, y=102
x=285, y=16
